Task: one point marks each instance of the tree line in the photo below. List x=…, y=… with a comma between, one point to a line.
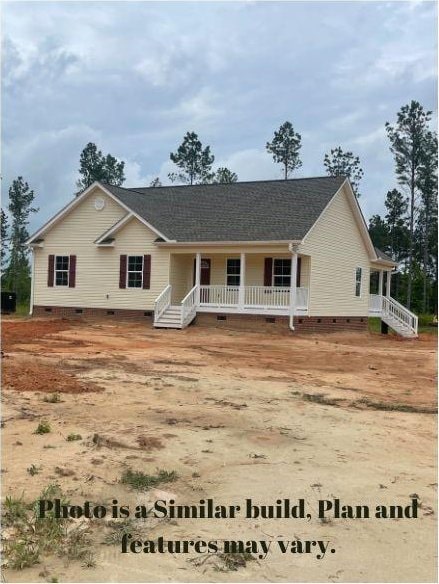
x=407, y=232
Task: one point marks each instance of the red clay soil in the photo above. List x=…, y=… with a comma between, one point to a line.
x=36, y=376
x=15, y=332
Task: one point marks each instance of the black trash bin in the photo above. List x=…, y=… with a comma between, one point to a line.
x=9, y=302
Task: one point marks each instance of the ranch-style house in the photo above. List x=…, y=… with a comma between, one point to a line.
x=294, y=254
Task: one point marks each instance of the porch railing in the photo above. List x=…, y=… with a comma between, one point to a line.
x=398, y=312
x=253, y=296
x=162, y=302
x=189, y=307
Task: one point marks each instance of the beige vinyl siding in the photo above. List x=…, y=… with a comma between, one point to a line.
x=97, y=269
x=181, y=276
x=337, y=248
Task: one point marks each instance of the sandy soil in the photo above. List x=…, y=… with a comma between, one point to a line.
x=237, y=415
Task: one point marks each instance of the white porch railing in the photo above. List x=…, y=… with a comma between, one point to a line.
x=162, y=302
x=395, y=310
x=263, y=297
x=189, y=307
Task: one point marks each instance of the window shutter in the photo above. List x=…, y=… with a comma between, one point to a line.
x=72, y=271
x=50, y=270
x=146, y=272
x=299, y=269
x=123, y=272
x=268, y=272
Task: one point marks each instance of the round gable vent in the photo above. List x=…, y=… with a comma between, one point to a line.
x=99, y=203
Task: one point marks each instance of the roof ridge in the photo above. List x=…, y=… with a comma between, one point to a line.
x=243, y=182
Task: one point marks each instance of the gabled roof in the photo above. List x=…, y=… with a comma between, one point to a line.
x=277, y=210
x=383, y=256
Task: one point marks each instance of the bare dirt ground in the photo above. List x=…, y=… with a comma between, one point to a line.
x=237, y=415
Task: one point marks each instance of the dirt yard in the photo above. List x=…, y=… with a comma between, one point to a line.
x=236, y=415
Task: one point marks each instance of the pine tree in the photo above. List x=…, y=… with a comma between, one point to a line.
x=194, y=161
x=339, y=163
x=4, y=238
x=95, y=166
x=225, y=176
x=407, y=143
x=285, y=147
x=396, y=218
x=17, y=276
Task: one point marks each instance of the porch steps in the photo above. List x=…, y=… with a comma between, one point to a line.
x=170, y=318
x=399, y=327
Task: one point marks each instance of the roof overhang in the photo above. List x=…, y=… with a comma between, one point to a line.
x=224, y=243
x=65, y=210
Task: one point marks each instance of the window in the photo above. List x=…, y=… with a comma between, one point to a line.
x=282, y=272
x=62, y=270
x=233, y=272
x=358, y=273
x=135, y=272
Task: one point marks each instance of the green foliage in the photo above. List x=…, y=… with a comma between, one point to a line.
x=339, y=163
x=73, y=437
x=194, y=161
x=43, y=428
x=225, y=176
x=4, y=233
x=155, y=182
x=409, y=145
x=17, y=274
x=142, y=482
x=95, y=166
x=285, y=147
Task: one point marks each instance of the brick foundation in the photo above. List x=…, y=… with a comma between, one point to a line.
x=256, y=322
x=302, y=324
x=116, y=313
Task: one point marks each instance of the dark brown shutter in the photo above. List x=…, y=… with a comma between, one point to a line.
x=50, y=270
x=268, y=271
x=299, y=269
x=146, y=272
x=123, y=272
x=72, y=271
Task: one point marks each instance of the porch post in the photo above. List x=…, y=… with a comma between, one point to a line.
x=389, y=275
x=380, y=282
x=293, y=285
x=241, y=293
x=198, y=276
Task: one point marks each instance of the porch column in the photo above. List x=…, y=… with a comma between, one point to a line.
x=241, y=293
x=389, y=275
x=198, y=276
x=293, y=286
x=380, y=282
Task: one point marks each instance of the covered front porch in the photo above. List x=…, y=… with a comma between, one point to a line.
x=246, y=283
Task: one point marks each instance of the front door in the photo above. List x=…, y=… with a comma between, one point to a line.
x=204, y=277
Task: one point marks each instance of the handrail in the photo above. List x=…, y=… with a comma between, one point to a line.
x=162, y=302
x=395, y=310
x=189, y=306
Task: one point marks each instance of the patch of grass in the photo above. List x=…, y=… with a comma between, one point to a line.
x=142, y=482
x=53, y=398
x=43, y=428
x=73, y=437
x=33, y=470
x=232, y=562
x=118, y=529
x=394, y=407
x=321, y=398
x=374, y=325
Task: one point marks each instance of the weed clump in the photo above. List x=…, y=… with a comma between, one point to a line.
x=72, y=437
x=142, y=482
x=43, y=428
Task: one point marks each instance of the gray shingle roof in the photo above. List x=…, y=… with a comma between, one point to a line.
x=277, y=210
x=383, y=256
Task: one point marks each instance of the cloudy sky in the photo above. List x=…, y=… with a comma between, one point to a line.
x=133, y=77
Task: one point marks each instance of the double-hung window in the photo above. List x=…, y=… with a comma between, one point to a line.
x=282, y=273
x=358, y=274
x=62, y=270
x=233, y=272
x=135, y=272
